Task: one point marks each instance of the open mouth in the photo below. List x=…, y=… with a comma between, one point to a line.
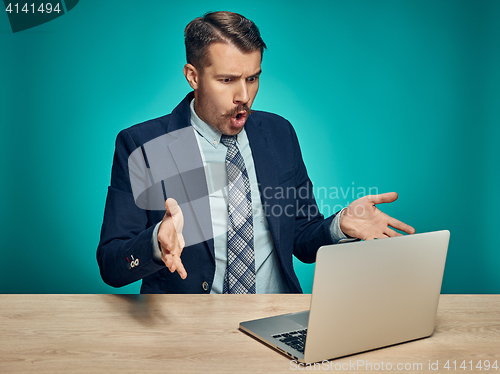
x=239, y=119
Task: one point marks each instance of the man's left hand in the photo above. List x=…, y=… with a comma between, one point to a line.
x=363, y=220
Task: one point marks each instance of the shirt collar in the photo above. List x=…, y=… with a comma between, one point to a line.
x=210, y=134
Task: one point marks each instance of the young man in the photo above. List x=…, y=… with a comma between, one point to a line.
x=238, y=239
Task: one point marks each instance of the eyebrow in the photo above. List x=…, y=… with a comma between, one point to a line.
x=234, y=76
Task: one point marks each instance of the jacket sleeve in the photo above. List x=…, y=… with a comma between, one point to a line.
x=125, y=252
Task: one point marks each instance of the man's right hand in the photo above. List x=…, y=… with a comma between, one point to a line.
x=170, y=237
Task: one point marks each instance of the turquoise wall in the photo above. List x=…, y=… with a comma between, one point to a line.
x=389, y=95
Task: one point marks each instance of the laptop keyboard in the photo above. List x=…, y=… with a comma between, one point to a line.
x=294, y=339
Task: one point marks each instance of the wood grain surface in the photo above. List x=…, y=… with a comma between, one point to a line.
x=199, y=334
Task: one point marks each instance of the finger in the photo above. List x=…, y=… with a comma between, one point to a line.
x=391, y=233
x=182, y=243
x=174, y=212
x=174, y=263
x=167, y=237
x=166, y=257
x=388, y=197
x=171, y=206
x=401, y=226
x=180, y=267
x=379, y=236
x=172, y=266
x=167, y=209
x=164, y=239
x=171, y=258
x=173, y=244
x=169, y=262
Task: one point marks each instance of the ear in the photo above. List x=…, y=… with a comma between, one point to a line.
x=192, y=75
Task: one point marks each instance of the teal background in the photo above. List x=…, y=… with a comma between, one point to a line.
x=389, y=95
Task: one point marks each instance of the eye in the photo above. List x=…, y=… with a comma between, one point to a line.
x=252, y=79
x=225, y=80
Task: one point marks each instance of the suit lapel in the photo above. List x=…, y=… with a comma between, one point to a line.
x=264, y=157
x=185, y=153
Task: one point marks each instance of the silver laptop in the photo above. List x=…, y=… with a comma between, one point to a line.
x=366, y=295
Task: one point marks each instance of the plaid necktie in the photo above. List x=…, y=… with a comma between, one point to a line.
x=240, y=271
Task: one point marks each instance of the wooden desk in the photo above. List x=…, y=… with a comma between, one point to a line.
x=199, y=334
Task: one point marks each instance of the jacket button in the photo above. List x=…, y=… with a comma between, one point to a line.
x=204, y=285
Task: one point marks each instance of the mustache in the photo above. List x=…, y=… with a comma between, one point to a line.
x=238, y=109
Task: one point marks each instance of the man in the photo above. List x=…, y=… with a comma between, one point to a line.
x=238, y=239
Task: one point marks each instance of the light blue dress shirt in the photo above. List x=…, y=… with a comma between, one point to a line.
x=268, y=277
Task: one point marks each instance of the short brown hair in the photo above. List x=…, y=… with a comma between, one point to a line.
x=220, y=27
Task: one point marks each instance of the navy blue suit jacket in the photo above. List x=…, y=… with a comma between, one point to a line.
x=127, y=229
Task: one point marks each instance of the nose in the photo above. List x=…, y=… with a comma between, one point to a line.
x=241, y=93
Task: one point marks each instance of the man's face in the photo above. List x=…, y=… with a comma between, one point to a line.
x=225, y=90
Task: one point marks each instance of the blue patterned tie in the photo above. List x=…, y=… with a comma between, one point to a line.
x=240, y=271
